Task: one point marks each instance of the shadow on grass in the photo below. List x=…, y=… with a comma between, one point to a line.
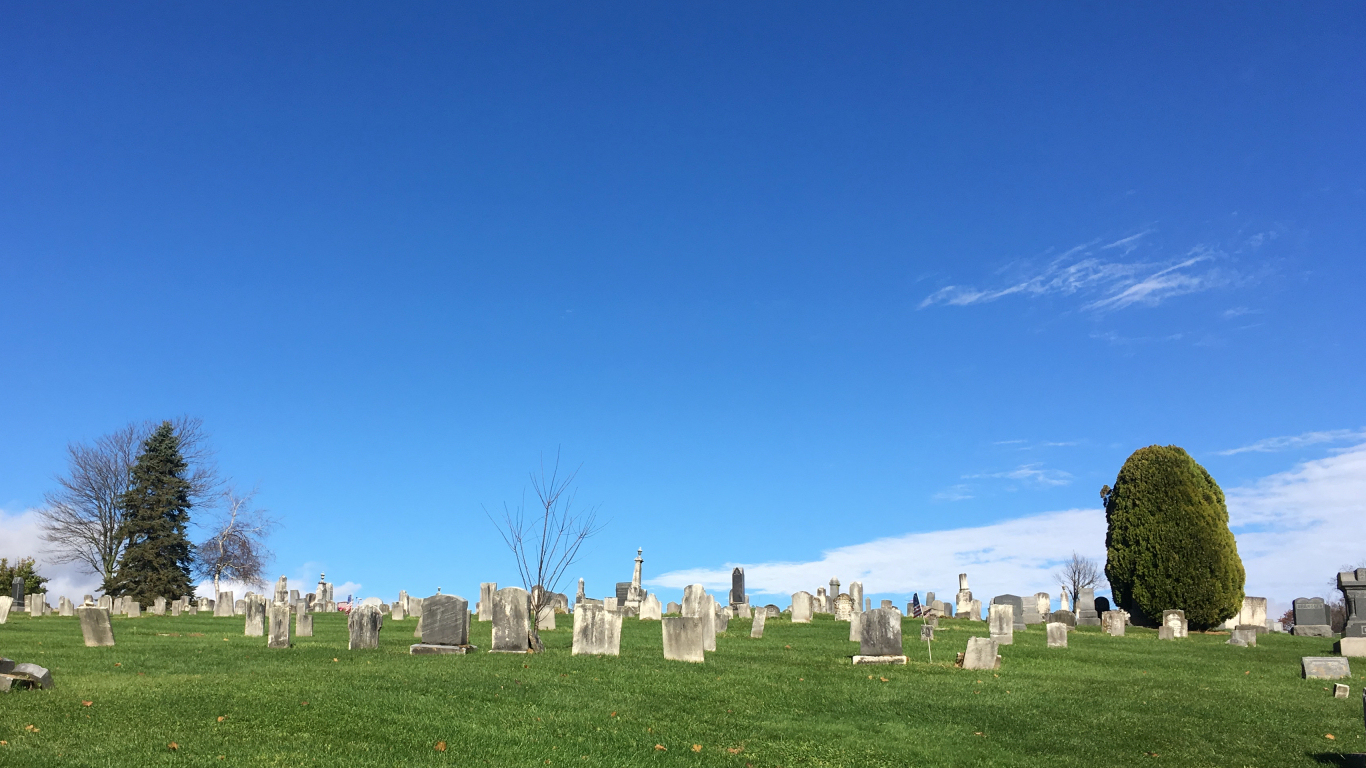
x=1337, y=758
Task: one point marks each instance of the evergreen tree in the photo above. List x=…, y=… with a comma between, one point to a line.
x=25, y=568
x=1169, y=545
x=156, y=508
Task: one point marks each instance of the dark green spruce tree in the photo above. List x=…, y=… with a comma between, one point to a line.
x=1169, y=545
x=156, y=508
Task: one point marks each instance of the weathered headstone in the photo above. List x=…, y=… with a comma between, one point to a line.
x=34, y=675
x=699, y=605
x=880, y=638
x=855, y=628
x=673, y=608
x=239, y=607
x=1325, y=667
x=963, y=600
x=1064, y=601
x=1245, y=637
x=95, y=626
x=445, y=626
x=743, y=611
x=1063, y=617
x=722, y=619
x=303, y=621
x=278, y=616
x=282, y=591
x=1002, y=623
x=803, y=606
x=132, y=609
x=363, y=625
x=1341, y=691
x=1057, y=634
x=856, y=595
x=1165, y=632
x=683, y=638
x=650, y=609
x=1112, y=623
x=1042, y=606
x=981, y=654
x=756, y=629
x=1252, y=616
x=5, y=603
x=610, y=603
x=545, y=618
x=1351, y=646
x=106, y=602
x=887, y=604
x=175, y=608
x=397, y=611
x=1176, y=620
x=1353, y=586
x=223, y=606
x=1017, y=614
x=256, y=617
x=1086, y=608
x=159, y=606
x=511, y=617
x=597, y=631
x=844, y=607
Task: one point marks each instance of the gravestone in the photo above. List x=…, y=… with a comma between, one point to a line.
x=722, y=619
x=1176, y=621
x=1243, y=638
x=511, y=617
x=1351, y=646
x=756, y=629
x=17, y=592
x=95, y=626
x=623, y=589
x=175, y=608
x=1341, y=691
x=282, y=591
x=1165, y=632
x=444, y=626
x=1057, y=634
x=683, y=638
x=880, y=638
x=31, y=675
x=844, y=608
x=887, y=604
x=239, y=607
x=132, y=609
x=700, y=605
x=737, y=587
x=803, y=606
x=545, y=618
x=223, y=607
x=819, y=604
x=106, y=602
x=711, y=623
x=486, y=591
x=855, y=628
x=1112, y=623
x=303, y=621
x=278, y=616
x=867, y=603
x=1064, y=603
x=743, y=611
x=650, y=610
x=981, y=654
x=1325, y=667
x=1063, y=617
x=1017, y=615
x=1086, y=608
x=1102, y=604
x=397, y=612
x=1252, y=616
x=5, y=603
x=1042, y=606
x=363, y=624
x=597, y=631
x=856, y=595
x=1002, y=623
x=1353, y=586
x=256, y=617
x=963, y=599
x=673, y=608
x=610, y=603
x=159, y=606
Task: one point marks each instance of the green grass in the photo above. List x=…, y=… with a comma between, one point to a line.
x=790, y=699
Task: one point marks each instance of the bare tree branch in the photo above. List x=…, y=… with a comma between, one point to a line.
x=236, y=547
x=1079, y=573
x=548, y=541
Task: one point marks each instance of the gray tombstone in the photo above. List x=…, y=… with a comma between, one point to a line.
x=1353, y=586
x=545, y=618
x=737, y=587
x=175, y=608
x=597, y=631
x=256, y=617
x=132, y=608
x=95, y=626
x=1017, y=615
x=282, y=591
x=803, y=606
x=1165, y=632
x=880, y=638
x=32, y=674
x=683, y=638
x=397, y=611
x=511, y=621
x=1341, y=691
x=1176, y=621
x=981, y=654
x=17, y=592
x=159, y=606
x=1002, y=623
x=486, y=592
x=239, y=607
x=856, y=594
x=1086, y=608
x=1112, y=622
x=722, y=619
x=278, y=616
x=303, y=621
x=756, y=629
x=5, y=602
x=1244, y=638
x=700, y=605
x=623, y=591
x=1057, y=634
x=446, y=620
x=1063, y=617
x=855, y=628
x=1325, y=667
x=673, y=608
x=223, y=606
x=1043, y=605
x=106, y=602
x=363, y=625
x=1311, y=617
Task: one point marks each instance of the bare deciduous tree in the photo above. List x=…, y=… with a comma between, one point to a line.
x=546, y=540
x=1079, y=573
x=83, y=518
x=236, y=548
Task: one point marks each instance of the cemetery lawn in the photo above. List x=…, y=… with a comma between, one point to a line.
x=193, y=691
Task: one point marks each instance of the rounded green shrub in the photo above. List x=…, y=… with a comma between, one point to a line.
x=1169, y=545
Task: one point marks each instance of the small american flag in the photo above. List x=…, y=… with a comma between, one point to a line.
x=915, y=605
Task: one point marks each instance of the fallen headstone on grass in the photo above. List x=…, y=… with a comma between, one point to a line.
x=1325, y=667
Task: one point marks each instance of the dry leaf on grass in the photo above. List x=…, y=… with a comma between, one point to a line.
x=1326, y=735
x=660, y=748
x=87, y=703
x=441, y=746
x=697, y=747
x=173, y=746
x=221, y=718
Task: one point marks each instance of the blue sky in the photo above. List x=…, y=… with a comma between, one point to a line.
x=784, y=281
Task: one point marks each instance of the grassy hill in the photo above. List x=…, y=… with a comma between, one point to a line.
x=790, y=699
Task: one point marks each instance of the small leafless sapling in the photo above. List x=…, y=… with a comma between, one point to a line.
x=236, y=547
x=546, y=539
x=1079, y=573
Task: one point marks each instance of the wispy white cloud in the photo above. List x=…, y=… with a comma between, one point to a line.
x=1089, y=270
x=1029, y=473
x=954, y=493
x=1293, y=529
x=1239, y=312
x=1291, y=442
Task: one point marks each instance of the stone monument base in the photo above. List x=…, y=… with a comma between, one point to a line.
x=1351, y=646
x=426, y=649
x=1312, y=630
x=879, y=660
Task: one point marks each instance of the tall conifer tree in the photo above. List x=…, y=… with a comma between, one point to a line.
x=157, y=559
